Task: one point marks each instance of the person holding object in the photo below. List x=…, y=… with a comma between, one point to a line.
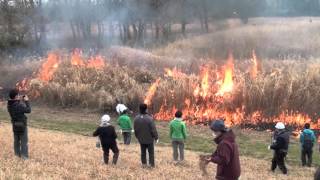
x=107, y=135
x=146, y=132
x=124, y=121
x=17, y=107
x=280, y=145
x=307, y=140
x=226, y=155
x=178, y=134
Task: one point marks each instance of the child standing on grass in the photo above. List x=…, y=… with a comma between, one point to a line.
x=108, y=136
x=124, y=121
x=178, y=134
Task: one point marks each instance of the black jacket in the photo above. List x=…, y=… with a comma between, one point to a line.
x=281, y=141
x=107, y=135
x=145, y=129
x=17, y=110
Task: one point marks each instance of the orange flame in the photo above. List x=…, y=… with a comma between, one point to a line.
x=76, y=59
x=49, y=67
x=227, y=85
x=151, y=92
x=96, y=62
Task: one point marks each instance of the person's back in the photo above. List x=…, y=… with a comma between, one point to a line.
x=146, y=133
x=107, y=136
x=307, y=140
x=178, y=129
x=124, y=122
x=144, y=129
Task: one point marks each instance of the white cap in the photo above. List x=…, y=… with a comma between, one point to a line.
x=120, y=108
x=105, y=119
x=280, y=125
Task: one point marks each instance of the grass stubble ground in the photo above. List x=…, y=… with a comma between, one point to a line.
x=67, y=152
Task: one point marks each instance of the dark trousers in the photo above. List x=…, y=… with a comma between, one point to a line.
x=178, y=149
x=278, y=160
x=114, y=148
x=21, y=144
x=126, y=137
x=306, y=157
x=150, y=148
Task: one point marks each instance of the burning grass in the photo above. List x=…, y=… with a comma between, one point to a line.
x=85, y=161
x=249, y=92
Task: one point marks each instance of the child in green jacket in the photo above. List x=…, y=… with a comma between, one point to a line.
x=178, y=134
x=125, y=124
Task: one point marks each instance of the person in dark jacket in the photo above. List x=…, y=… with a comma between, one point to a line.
x=107, y=136
x=226, y=155
x=280, y=145
x=307, y=140
x=18, y=106
x=146, y=133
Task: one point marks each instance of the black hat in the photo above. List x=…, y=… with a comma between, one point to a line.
x=218, y=125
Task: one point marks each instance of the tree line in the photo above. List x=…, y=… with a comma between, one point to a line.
x=25, y=22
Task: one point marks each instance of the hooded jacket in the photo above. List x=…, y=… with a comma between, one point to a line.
x=17, y=111
x=178, y=130
x=145, y=129
x=281, y=141
x=227, y=157
x=308, y=132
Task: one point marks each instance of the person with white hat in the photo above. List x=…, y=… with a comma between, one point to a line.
x=124, y=121
x=108, y=136
x=280, y=145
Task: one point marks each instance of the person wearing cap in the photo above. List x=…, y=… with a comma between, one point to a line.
x=307, y=140
x=226, y=155
x=107, y=136
x=178, y=134
x=280, y=145
x=124, y=121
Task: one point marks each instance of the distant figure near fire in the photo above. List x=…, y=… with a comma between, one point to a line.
x=307, y=140
x=17, y=107
x=280, y=145
x=226, y=155
x=146, y=132
x=124, y=121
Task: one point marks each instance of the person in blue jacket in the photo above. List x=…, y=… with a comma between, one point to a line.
x=307, y=140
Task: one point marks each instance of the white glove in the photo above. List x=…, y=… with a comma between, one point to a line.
x=120, y=131
x=132, y=131
x=269, y=147
x=157, y=141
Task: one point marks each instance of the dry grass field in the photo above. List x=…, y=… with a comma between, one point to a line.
x=57, y=155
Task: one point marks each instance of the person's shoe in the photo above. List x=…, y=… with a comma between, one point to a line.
x=144, y=166
x=24, y=158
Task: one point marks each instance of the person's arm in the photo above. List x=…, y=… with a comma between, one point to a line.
x=154, y=132
x=97, y=132
x=222, y=156
x=170, y=130
x=115, y=136
x=25, y=108
x=184, y=131
x=135, y=126
x=278, y=144
x=314, y=138
x=301, y=138
x=130, y=123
